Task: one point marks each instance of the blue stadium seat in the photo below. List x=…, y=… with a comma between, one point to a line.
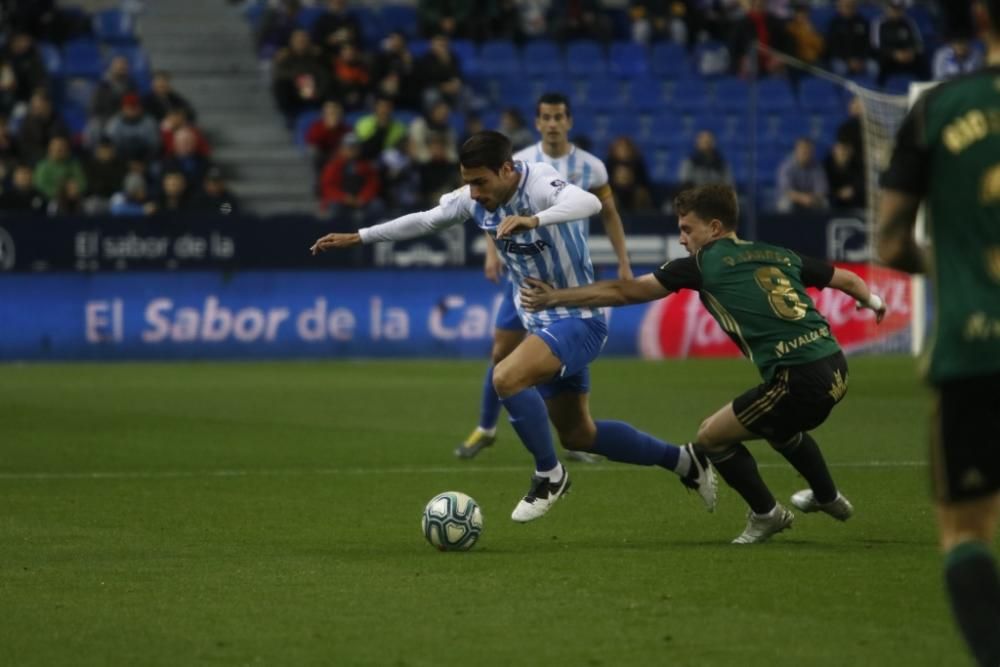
x=542, y=57
x=625, y=125
x=583, y=123
x=694, y=98
x=419, y=47
x=308, y=16
x=732, y=95
x=302, y=123
x=795, y=125
x=819, y=96
x=669, y=60
x=499, y=58
x=253, y=11
x=82, y=58
x=667, y=131
x=600, y=93
x=513, y=92
x=585, y=58
x=371, y=27
x=114, y=26
x=74, y=116
x=714, y=124
x=775, y=95
x=645, y=95
x=51, y=57
x=899, y=84
x=628, y=59
x=865, y=81
x=465, y=52
x=822, y=16
x=399, y=17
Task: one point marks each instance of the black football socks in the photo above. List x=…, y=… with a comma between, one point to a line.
x=739, y=468
x=970, y=574
x=804, y=455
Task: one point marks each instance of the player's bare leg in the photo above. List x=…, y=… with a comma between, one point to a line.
x=484, y=435
x=967, y=529
x=722, y=436
x=514, y=378
x=570, y=414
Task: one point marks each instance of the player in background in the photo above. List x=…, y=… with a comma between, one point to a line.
x=537, y=221
x=947, y=155
x=553, y=120
x=757, y=294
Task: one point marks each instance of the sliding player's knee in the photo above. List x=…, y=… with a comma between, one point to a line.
x=578, y=436
x=707, y=437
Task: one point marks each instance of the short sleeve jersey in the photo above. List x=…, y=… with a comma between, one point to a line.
x=948, y=153
x=757, y=294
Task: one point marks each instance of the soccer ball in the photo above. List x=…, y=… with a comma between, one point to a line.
x=452, y=521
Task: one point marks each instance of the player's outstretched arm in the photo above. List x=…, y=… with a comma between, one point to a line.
x=851, y=284
x=538, y=295
x=454, y=207
x=897, y=244
x=331, y=241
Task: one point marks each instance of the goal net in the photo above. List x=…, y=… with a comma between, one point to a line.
x=881, y=115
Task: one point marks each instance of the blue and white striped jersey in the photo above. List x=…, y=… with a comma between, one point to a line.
x=582, y=169
x=554, y=252
x=557, y=254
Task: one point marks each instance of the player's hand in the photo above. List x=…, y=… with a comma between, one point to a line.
x=625, y=271
x=876, y=305
x=535, y=294
x=516, y=223
x=493, y=268
x=335, y=240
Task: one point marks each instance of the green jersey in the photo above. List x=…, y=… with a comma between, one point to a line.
x=948, y=152
x=757, y=294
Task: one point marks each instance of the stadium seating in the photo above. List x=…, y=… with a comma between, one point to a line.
x=113, y=26
x=82, y=57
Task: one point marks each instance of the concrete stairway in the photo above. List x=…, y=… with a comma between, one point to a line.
x=208, y=48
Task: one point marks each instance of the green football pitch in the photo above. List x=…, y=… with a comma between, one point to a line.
x=269, y=513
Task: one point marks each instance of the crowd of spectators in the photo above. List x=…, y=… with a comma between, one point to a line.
x=138, y=150
x=403, y=101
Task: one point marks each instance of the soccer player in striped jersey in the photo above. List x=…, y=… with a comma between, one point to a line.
x=553, y=120
x=538, y=222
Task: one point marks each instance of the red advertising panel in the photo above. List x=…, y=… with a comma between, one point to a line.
x=679, y=326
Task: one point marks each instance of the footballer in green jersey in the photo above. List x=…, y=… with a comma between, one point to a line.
x=757, y=293
x=947, y=156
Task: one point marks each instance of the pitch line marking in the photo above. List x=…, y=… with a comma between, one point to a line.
x=401, y=470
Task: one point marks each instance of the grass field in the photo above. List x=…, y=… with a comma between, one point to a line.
x=232, y=514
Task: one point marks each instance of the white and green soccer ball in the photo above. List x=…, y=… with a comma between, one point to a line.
x=452, y=521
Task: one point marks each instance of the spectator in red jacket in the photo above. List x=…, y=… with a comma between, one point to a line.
x=350, y=184
x=176, y=119
x=326, y=133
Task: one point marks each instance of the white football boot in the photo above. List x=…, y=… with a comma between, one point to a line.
x=760, y=527
x=840, y=508
x=540, y=497
x=701, y=477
